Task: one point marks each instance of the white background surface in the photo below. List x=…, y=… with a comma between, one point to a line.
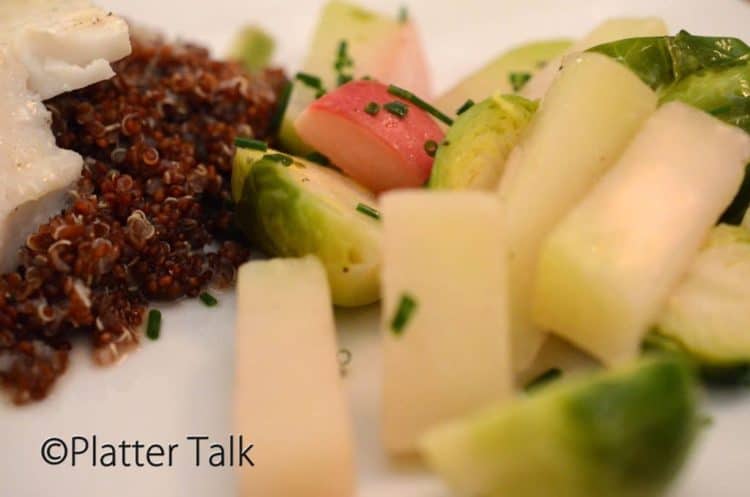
x=181, y=384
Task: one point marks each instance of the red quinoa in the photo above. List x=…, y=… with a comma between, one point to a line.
x=151, y=217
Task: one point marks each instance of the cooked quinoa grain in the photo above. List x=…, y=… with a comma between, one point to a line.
x=150, y=218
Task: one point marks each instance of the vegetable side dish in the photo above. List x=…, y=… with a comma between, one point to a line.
x=560, y=242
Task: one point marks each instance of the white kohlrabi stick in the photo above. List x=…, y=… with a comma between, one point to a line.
x=289, y=397
x=606, y=270
x=445, y=323
x=591, y=113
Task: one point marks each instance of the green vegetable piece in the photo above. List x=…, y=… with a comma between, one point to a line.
x=153, y=325
x=519, y=79
x=398, y=109
x=250, y=143
x=662, y=60
x=708, y=314
x=305, y=208
x=309, y=80
x=414, y=99
x=253, y=48
x=406, y=308
x=372, y=108
x=495, y=75
x=368, y=211
x=208, y=299
x=466, y=106
x=481, y=140
x=622, y=433
x=724, y=93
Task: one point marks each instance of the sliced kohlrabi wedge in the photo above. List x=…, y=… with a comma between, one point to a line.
x=289, y=398
x=445, y=324
x=608, y=267
x=291, y=207
x=591, y=113
x=618, y=434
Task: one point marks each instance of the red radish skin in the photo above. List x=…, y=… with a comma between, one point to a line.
x=382, y=152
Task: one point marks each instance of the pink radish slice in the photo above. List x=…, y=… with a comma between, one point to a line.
x=381, y=151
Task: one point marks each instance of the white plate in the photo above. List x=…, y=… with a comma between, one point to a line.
x=181, y=384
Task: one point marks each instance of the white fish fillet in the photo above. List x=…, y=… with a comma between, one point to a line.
x=36, y=174
x=64, y=44
x=47, y=47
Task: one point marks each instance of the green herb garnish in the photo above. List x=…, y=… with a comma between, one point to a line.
x=284, y=160
x=309, y=80
x=544, y=378
x=372, y=108
x=410, y=97
x=430, y=147
x=406, y=308
x=397, y=108
x=208, y=299
x=278, y=115
x=153, y=326
x=368, y=211
x=403, y=14
x=343, y=60
x=519, y=79
x=343, y=64
x=250, y=143
x=318, y=158
x=466, y=106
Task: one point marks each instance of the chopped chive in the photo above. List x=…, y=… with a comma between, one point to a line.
x=284, y=160
x=153, y=326
x=406, y=307
x=309, y=80
x=397, y=108
x=368, y=211
x=410, y=97
x=372, y=108
x=319, y=93
x=403, y=14
x=318, y=158
x=343, y=46
x=342, y=57
x=519, y=79
x=343, y=79
x=466, y=106
x=366, y=77
x=342, y=62
x=543, y=379
x=208, y=299
x=250, y=143
x=278, y=115
x=430, y=147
